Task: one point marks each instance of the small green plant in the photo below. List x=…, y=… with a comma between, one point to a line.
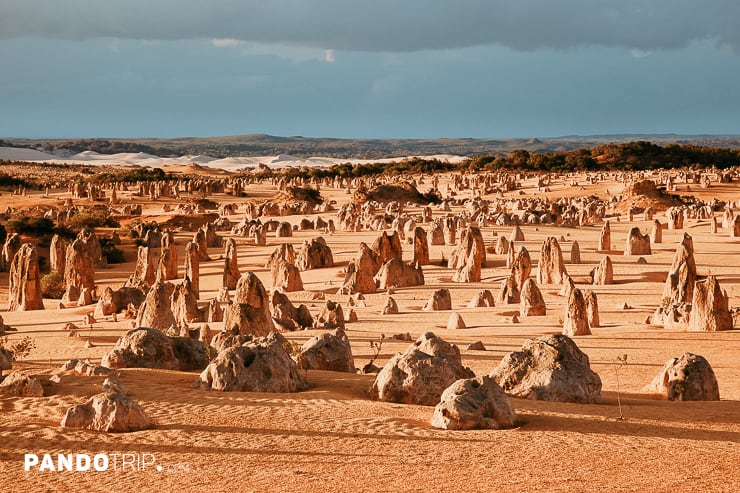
x=621, y=361
x=376, y=346
x=19, y=348
x=52, y=286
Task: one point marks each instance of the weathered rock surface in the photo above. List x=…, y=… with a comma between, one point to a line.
x=398, y=274
x=20, y=385
x=79, y=271
x=474, y=403
x=637, y=243
x=482, y=299
x=287, y=316
x=150, y=348
x=330, y=317
x=262, y=365
x=109, y=412
x=468, y=258
x=156, y=310
x=576, y=315
x=330, y=351
x=285, y=276
x=314, y=254
x=421, y=373
x=550, y=368
x=249, y=313
x=24, y=291
x=231, y=273
x=689, y=377
x=421, y=246
x=605, y=239
x=710, y=309
x=603, y=273
x=551, y=266
x=440, y=300
x=532, y=302
x=361, y=272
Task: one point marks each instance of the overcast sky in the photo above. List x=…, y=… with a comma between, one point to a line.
x=380, y=69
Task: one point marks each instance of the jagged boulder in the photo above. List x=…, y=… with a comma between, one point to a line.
x=231, y=273
x=474, y=403
x=330, y=351
x=284, y=252
x=249, y=313
x=575, y=322
x=468, y=258
x=167, y=265
x=689, y=377
x=678, y=290
x=603, y=273
x=532, y=302
x=314, y=254
x=482, y=299
x=150, y=348
x=286, y=276
x=656, y=232
x=575, y=253
x=551, y=266
x=637, y=243
x=605, y=238
x=421, y=373
x=387, y=247
x=192, y=267
x=440, y=300
x=144, y=272
x=20, y=385
x=521, y=268
x=262, y=365
x=390, y=308
x=550, y=368
x=57, y=254
x=24, y=291
x=396, y=273
x=421, y=246
x=592, y=308
x=79, y=271
x=156, y=310
x=330, y=317
x=710, y=309
x=361, y=272
x=286, y=316
x=455, y=322
x=184, y=305
x=111, y=302
x=109, y=412
x=509, y=293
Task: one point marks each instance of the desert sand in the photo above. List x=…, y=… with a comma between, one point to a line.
x=333, y=437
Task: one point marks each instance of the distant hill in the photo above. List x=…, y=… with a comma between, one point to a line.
x=268, y=145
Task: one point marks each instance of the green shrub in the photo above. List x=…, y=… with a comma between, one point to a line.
x=113, y=254
x=92, y=219
x=306, y=194
x=52, y=286
x=31, y=225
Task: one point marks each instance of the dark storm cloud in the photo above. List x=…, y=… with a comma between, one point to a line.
x=385, y=25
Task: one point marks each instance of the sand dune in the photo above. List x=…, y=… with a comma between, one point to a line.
x=228, y=164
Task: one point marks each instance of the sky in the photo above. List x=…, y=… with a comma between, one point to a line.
x=368, y=69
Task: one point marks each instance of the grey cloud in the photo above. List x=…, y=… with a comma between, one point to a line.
x=385, y=25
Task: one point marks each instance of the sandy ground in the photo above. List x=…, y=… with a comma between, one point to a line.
x=333, y=438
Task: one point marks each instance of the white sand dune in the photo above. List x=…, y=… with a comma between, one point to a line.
x=227, y=164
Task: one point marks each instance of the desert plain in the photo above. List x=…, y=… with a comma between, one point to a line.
x=334, y=436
